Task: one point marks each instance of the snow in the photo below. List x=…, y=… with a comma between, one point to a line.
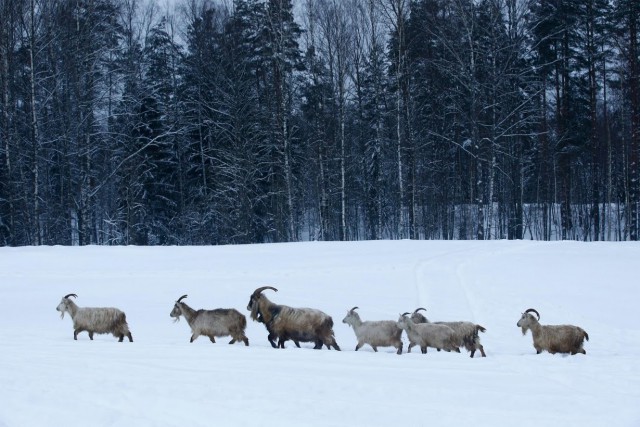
x=47, y=378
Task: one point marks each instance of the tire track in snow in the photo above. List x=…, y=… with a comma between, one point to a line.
x=432, y=289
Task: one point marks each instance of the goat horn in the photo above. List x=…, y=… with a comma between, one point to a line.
x=531, y=310
x=257, y=291
x=418, y=309
x=404, y=314
x=354, y=308
x=181, y=298
x=71, y=295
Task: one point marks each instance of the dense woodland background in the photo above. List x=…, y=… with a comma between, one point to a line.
x=203, y=122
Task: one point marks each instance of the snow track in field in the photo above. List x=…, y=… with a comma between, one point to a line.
x=439, y=284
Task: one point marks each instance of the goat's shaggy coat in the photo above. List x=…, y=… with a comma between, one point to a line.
x=220, y=322
x=377, y=333
x=466, y=333
x=553, y=338
x=288, y=323
x=98, y=320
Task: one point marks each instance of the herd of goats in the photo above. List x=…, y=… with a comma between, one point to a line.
x=285, y=323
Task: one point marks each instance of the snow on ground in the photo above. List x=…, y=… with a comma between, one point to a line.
x=48, y=379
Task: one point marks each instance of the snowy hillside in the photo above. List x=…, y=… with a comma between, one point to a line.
x=48, y=379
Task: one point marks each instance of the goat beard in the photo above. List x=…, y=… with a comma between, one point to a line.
x=524, y=330
x=62, y=314
x=255, y=314
x=176, y=319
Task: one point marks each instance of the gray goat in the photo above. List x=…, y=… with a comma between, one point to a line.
x=466, y=333
x=553, y=338
x=220, y=322
x=376, y=333
x=428, y=335
x=98, y=320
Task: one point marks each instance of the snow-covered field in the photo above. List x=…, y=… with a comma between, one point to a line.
x=48, y=379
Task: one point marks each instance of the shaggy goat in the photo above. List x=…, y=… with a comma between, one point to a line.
x=428, y=335
x=220, y=322
x=379, y=333
x=297, y=324
x=272, y=336
x=99, y=320
x=553, y=338
x=466, y=333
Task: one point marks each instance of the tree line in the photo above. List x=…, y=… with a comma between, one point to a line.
x=245, y=121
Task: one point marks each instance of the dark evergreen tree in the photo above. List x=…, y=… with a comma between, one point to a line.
x=281, y=34
x=626, y=13
x=156, y=132
x=376, y=122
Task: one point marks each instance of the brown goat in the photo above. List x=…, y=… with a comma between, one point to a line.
x=552, y=338
x=297, y=324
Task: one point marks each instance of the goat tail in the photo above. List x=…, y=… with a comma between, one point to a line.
x=329, y=322
x=480, y=329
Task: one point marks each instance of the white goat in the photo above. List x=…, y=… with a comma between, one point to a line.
x=553, y=338
x=466, y=333
x=99, y=320
x=380, y=333
x=428, y=335
x=220, y=322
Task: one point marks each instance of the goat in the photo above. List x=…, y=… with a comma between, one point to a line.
x=552, y=338
x=466, y=333
x=297, y=324
x=99, y=320
x=380, y=333
x=220, y=322
x=428, y=335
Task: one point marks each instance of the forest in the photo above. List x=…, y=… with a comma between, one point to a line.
x=198, y=122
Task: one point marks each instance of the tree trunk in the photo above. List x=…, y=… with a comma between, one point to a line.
x=595, y=141
x=343, y=184
x=34, y=129
x=6, y=187
x=634, y=83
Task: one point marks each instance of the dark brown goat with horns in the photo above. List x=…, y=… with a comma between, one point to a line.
x=288, y=323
